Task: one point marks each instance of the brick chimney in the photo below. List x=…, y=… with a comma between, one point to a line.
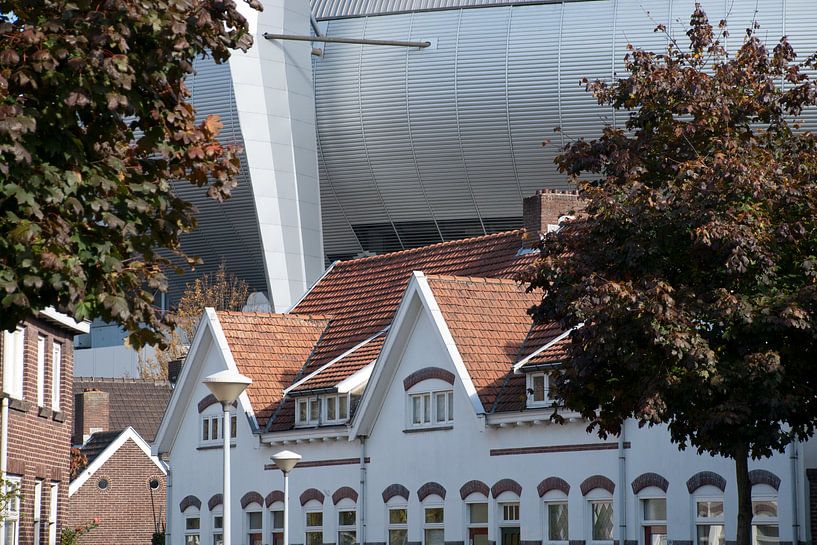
x=91, y=414
x=541, y=212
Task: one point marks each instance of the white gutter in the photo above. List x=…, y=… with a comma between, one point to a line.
x=622, y=487
x=4, y=438
x=795, y=520
x=169, y=506
x=521, y=363
x=362, y=533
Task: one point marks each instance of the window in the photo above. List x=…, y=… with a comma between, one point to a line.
x=13, y=356
x=218, y=529
x=309, y=411
x=276, y=518
x=52, y=514
x=398, y=526
x=709, y=522
x=347, y=533
x=556, y=520
x=56, y=375
x=40, y=371
x=601, y=520
x=211, y=428
x=314, y=528
x=765, y=529
x=255, y=533
x=477, y=523
x=654, y=521
x=11, y=515
x=192, y=527
x=433, y=529
x=538, y=388
x=38, y=510
x=509, y=523
x=336, y=408
x=431, y=408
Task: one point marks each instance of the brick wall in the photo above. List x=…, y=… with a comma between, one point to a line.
x=40, y=438
x=545, y=208
x=92, y=413
x=124, y=508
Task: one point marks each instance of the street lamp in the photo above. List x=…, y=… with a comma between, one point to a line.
x=286, y=460
x=226, y=386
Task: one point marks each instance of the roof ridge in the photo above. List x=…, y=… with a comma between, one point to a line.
x=474, y=279
x=122, y=380
x=428, y=247
x=285, y=315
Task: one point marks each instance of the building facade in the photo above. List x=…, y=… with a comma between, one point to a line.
x=415, y=388
x=37, y=361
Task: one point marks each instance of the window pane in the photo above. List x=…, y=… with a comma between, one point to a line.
x=192, y=540
x=347, y=537
x=602, y=521
x=314, y=518
x=330, y=408
x=450, y=406
x=398, y=537
x=557, y=522
x=655, y=509
x=218, y=522
x=434, y=537
x=277, y=519
x=510, y=511
x=302, y=410
x=214, y=428
x=314, y=411
x=766, y=534
x=764, y=508
x=538, y=387
x=346, y=518
x=343, y=407
x=277, y=538
x=440, y=417
x=255, y=538
x=398, y=516
x=233, y=426
x=478, y=513
x=193, y=523
x=710, y=534
x=314, y=538
x=427, y=408
x=416, y=410
x=218, y=539
x=434, y=515
x=710, y=509
x=205, y=430
x=254, y=521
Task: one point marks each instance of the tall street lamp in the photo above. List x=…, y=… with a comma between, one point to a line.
x=286, y=460
x=226, y=386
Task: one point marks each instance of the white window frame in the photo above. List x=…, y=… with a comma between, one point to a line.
x=41, y=344
x=396, y=526
x=190, y=514
x=432, y=525
x=251, y=510
x=11, y=514
x=530, y=389
x=277, y=507
x=764, y=520
x=429, y=416
x=217, y=530
x=350, y=528
x=38, y=511
x=56, y=374
x=476, y=498
x=218, y=440
x=645, y=522
x=707, y=521
x=553, y=498
x=313, y=529
x=14, y=362
x=334, y=400
x=313, y=411
x=504, y=502
x=53, y=515
x=599, y=496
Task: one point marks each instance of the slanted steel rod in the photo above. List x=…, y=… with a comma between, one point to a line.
x=336, y=40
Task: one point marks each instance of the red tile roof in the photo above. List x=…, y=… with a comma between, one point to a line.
x=487, y=318
x=271, y=349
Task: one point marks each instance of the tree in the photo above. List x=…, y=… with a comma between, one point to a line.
x=221, y=290
x=690, y=277
x=95, y=126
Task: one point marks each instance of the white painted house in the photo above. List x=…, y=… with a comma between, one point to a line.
x=414, y=387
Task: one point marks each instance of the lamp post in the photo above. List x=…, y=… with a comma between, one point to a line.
x=226, y=386
x=286, y=460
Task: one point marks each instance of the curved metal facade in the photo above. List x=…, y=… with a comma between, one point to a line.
x=418, y=146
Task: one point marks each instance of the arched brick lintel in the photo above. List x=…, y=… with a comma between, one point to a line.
x=474, y=487
x=553, y=483
x=506, y=485
x=311, y=494
x=395, y=490
x=597, y=481
x=705, y=478
x=251, y=497
x=761, y=476
x=649, y=479
x=344, y=492
x=214, y=501
x=189, y=501
x=427, y=373
x=430, y=488
x=208, y=400
x=274, y=496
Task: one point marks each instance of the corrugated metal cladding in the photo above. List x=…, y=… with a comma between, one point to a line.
x=418, y=146
x=226, y=231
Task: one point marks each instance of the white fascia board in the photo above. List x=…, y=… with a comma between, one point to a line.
x=65, y=321
x=521, y=363
x=356, y=380
x=312, y=287
x=303, y=435
x=537, y=414
x=109, y=451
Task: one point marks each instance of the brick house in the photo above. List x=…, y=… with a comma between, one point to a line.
x=122, y=485
x=37, y=369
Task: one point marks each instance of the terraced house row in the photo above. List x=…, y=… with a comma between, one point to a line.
x=415, y=387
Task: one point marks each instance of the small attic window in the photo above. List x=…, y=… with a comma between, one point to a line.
x=538, y=389
x=431, y=409
x=211, y=429
x=324, y=410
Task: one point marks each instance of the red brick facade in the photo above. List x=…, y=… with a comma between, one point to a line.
x=124, y=508
x=39, y=438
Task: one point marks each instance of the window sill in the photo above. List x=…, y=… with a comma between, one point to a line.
x=45, y=412
x=59, y=416
x=430, y=428
x=215, y=446
x=17, y=404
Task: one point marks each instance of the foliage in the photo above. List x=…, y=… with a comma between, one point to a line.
x=9, y=491
x=691, y=274
x=95, y=126
x=157, y=539
x=70, y=536
x=78, y=462
x=221, y=290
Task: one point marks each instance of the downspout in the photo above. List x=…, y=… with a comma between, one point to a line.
x=795, y=520
x=622, y=489
x=362, y=533
x=168, y=505
x=4, y=438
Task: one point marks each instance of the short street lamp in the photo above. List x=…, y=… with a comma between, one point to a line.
x=226, y=386
x=286, y=460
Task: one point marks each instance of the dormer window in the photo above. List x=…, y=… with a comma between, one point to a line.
x=538, y=389
x=429, y=409
x=337, y=409
x=325, y=410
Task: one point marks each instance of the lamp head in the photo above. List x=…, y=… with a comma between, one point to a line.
x=227, y=385
x=286, y=460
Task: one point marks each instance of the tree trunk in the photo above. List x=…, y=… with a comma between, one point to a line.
x=744, y=536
